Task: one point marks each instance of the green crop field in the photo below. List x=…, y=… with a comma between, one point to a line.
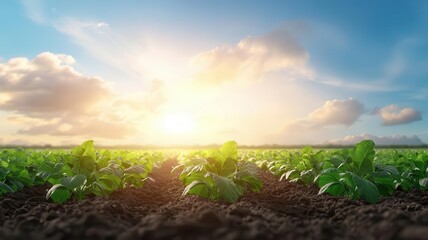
x=231, y=120
x=218, y=174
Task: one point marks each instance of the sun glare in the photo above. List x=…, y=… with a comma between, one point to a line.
x=178, y=124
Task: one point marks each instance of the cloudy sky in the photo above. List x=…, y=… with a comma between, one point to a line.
x=202, y=72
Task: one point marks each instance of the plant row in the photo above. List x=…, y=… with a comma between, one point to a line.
x=77, y=173
x=358, y=173
x=217, y=174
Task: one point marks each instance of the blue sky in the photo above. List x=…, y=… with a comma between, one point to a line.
x=189, y=72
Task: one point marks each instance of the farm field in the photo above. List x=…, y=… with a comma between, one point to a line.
x=227, y=193
x=279, y=119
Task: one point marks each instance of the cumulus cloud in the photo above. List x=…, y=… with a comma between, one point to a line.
x=48, y=97
x=336, y=111
x=253, y=57
x=396, y=115
x=379, y=140
x=47, y=86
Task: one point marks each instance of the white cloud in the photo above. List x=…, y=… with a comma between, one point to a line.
x=379, y=140
x=46, y=96
x=48, y=85
x=334, y=113
x=252, y=58
x=395, y=115
x=338, y=112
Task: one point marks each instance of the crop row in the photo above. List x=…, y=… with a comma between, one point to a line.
x=218, y=174
x=77, y=173
x=358, y=173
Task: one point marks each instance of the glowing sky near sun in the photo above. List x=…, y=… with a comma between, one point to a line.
x=202, y=72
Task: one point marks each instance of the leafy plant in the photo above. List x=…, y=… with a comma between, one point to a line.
x=87, y=172
x=415, y=174
x=357, y=176
x=359, y=173
x=218, y=174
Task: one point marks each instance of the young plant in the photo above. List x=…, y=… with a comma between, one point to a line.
x=81, y=164
x=219, y=175
x=87, y=172
x=357, y=176
x=415, y=175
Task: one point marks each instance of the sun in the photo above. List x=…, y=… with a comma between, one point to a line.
x=178, y=123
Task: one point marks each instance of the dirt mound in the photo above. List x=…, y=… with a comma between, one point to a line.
x=283, y=210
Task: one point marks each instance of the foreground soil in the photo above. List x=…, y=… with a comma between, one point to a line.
x=282, y=210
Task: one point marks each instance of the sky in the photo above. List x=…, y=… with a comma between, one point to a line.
x=185, y=72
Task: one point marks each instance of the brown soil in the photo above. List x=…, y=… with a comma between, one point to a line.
x=283, y=210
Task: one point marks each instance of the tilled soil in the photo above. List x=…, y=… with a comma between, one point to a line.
x=282, y=210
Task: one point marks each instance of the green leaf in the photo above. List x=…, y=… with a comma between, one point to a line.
x=251, y=182
x=334, y=188
x=16, y=185
x=57, y=167
x=387, y=168
x=73, y=182
x=346, y=178
x=229, y=150
x=227, y=189
x=246, y=167
x=363, y=156
x=405, y=184
x=135, y=169
x=228, y=168
x=367, y=189
x=110, y=183
x=307, y=149
x=246, y=176
x=98, y=189
x=23, y=174
x=43, y=175
x=335, y=161
x=292, y=174
x=85, y=149
x=58, y=193
x=328, y=178
x=198, y=187
x=134, y=179
x=4, y=188
x=383, y=178
x=384, y=182
x=423, y=182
